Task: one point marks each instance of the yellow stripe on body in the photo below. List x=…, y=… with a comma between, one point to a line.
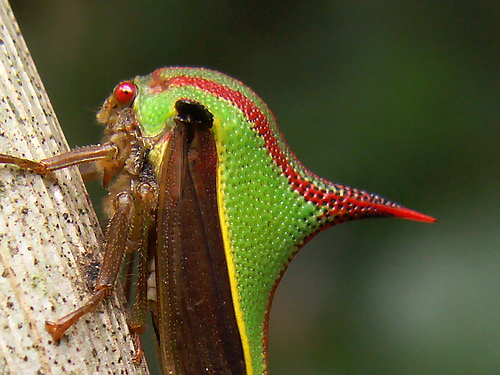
x=231, y=268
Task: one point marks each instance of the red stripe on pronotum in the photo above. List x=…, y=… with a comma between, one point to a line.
x=354, y=202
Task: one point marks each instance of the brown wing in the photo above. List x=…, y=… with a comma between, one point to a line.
x=195, y=323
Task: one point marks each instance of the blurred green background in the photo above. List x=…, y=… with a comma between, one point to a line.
x=398, y=98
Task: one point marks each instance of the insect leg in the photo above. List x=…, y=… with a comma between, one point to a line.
x=117, y=235
x=128, y=272
x=146, y=201
x=77, y=156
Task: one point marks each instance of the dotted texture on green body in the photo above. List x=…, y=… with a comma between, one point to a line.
x=267, y=222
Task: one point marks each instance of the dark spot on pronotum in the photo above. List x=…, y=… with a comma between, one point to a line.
x=191, y=112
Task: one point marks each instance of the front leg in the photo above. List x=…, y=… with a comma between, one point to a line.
x=74, y=157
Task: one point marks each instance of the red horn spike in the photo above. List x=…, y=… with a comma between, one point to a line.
x=353, y=204
x=406, y=213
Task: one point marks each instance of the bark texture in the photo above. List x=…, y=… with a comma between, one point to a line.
x=49, y=239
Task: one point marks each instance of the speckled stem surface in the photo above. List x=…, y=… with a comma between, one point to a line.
x=49, y=238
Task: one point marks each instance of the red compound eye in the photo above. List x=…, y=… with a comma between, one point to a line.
x=125, y=92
